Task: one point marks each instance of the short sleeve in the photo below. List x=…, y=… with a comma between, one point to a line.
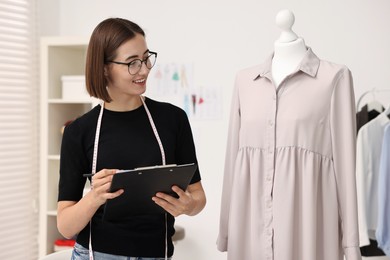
x=185, y=150
x=73, y=164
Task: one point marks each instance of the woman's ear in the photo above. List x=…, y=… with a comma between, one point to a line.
x=105, y=71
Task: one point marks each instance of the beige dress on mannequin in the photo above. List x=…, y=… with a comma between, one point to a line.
x=289, y=189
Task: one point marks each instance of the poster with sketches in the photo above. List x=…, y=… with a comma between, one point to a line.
x=174, y=83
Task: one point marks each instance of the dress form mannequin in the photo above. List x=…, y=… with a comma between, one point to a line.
x=289, y=49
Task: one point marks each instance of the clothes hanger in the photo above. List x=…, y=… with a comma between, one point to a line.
x=387, y=111
x=374, y=104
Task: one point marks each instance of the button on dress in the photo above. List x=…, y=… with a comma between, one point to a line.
x=289, y=189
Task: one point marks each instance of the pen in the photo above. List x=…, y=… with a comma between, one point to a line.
x=91, y=174
x=137, y=169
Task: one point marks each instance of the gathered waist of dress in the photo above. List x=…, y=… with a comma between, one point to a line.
x=282, y=149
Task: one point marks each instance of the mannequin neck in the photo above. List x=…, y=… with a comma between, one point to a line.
x=289, y=50
x=287, y=57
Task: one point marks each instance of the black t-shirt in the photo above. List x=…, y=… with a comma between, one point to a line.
x=126, y=141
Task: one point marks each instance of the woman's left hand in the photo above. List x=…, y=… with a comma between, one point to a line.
x=189, y=202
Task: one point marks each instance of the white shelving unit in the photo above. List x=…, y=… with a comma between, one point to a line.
x=59, y=56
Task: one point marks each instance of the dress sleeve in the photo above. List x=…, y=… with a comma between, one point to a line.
x=361, y=183
x=343, y=131
x=230, y=158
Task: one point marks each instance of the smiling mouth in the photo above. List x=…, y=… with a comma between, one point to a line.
x=139, y=81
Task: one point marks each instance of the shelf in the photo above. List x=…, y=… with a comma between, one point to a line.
x=59, y=56
x=66, y=101
x=54, y=157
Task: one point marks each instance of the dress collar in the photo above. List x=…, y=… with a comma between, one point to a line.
x=309, y=65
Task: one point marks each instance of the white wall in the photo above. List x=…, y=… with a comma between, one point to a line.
x=221, y=37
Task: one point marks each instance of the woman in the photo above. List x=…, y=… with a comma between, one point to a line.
x=126, y=131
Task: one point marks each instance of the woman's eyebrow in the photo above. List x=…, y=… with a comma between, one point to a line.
x=136, y=56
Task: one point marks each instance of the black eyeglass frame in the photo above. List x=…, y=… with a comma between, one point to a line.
x=151, y=53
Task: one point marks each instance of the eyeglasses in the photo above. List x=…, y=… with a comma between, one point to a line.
x=135, y=66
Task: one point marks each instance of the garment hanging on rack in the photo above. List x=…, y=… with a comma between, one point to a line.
x=368, y=112
x=365, y=115
x=372, y=249
x=383, y=230
x=369, y=144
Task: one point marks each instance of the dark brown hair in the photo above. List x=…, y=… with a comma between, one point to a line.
x=105, y=40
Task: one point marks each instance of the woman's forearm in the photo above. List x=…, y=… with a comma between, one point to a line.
x=74, y=216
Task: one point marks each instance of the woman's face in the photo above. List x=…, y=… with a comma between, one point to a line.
x=121, y=84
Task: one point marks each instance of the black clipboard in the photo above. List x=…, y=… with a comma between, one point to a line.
x=141, y=184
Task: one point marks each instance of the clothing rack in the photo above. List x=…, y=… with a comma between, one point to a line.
x=368, y=144
x=372, y=91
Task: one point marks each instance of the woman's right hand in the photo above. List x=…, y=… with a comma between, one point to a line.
x=101, y=183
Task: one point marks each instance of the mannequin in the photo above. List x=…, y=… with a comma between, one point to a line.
x=289, y=49
x=289, y=188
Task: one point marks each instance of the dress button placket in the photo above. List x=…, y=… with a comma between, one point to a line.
x=269, y=176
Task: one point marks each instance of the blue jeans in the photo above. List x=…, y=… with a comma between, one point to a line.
x=82, y=253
